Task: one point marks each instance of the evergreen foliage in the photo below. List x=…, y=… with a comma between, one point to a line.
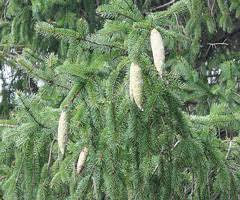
x=184, y=144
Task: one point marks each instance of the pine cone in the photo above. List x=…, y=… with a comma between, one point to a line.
x=82, y=159
x=135, y=85
x=157, y=50
x=62, y=131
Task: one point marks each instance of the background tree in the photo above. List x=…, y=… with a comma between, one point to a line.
x=17, y=31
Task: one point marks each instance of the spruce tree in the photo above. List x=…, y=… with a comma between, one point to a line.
x=122, y=114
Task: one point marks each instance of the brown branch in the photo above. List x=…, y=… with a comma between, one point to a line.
x=163, y=6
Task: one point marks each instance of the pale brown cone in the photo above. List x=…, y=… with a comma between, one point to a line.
x=62, y=132
x=136, y=85
x=130, y=87
x=157, y=50
x=82, y=159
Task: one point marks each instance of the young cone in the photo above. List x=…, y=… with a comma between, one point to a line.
x=157, y=50
x=62, y=132
x=135, y=85
x=82, y=159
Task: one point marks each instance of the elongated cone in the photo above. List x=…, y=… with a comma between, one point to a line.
x=157, y=50
x=136, y=85
x=82, y=159
x=130, y=87
x=62, y=132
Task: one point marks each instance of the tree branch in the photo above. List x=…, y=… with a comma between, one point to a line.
x=229, y=149
x=163, y=6
x=31, y=114
x=8, y=125
x=50, y=154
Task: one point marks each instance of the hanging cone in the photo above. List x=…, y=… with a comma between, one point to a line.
x=82, y=159
x=130, y=87
x=135, y=85
x=157, y=50
x=62, y=132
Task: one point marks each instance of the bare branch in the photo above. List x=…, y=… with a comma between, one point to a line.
x=8, y=125
x=163, y=6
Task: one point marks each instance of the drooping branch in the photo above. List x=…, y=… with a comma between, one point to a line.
x=30, y=113
x=31, y=70
x=50, y=154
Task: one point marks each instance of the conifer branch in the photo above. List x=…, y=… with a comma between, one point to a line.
x=129, y=6
x=106, y=45
x=50, y=154
x=46, y=28
x=213, y=119
x=72, y=95
x=127, y=16
x=31, y=114
x=31, y=71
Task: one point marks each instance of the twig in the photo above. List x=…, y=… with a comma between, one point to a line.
x=31, y=71
x=217, y=43
x=229, y=149
x=2, y=177
x=8, y=125
x=11, y=46
x=95, y=187
x=176, y=20
x=31, y=114
x=174, y=146
x=20, y=168
x=193, y=187
x=129, y=6
x=126, y=16
x=220, y=40
x=212, y=8
x=155, y=169
x=97, y=3
x=50, y=154
x=106, y=45
x=163, y=6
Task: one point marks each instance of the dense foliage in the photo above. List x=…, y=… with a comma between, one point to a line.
x=79, y=135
